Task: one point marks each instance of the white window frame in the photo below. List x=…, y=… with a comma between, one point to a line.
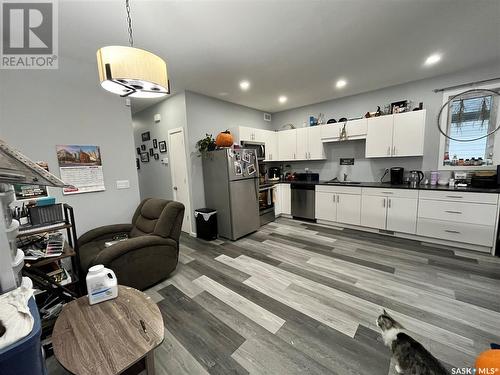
x=444, y=124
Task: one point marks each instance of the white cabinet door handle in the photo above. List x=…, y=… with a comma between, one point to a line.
x=452, y=231
x=333, y=198
x=454, y=196
x=453, y=212
x=383, y=202
x=393, y=150
x=389, y=150
x=389, y=202
x=338, y=198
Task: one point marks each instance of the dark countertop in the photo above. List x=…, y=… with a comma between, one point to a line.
x=387, y=185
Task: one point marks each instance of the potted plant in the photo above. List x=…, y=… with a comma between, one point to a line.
x=206, y=144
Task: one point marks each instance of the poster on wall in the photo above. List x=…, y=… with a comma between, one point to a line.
x=32, y=191
x=80, y=166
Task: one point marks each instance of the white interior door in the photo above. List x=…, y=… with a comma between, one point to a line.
x=179, y=171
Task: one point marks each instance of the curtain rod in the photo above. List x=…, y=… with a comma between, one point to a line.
x=466, y=84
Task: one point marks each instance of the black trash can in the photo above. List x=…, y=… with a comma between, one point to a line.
x=206, y=223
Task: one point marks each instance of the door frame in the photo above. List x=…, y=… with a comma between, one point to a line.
x=188, y=203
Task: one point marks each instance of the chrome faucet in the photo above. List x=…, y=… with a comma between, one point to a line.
x=345, y=176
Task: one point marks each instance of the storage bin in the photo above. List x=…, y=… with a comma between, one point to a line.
x=6, y=198
x=12, y=232
x=17, y=267
x=25, y=356
x=206, y=223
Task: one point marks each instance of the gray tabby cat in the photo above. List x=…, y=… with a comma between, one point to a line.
x=410, y=356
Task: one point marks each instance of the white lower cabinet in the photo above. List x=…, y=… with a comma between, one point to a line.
x=389, y=209
x=338, y=204
x=463, y=217
x=373, y=211
x=402, y=214
x=326, y=206
x=349, y=209
x=286, y=199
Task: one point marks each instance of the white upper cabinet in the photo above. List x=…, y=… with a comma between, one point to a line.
x=330, y=132
x=379, y=137
x=287, y=144
x=271, y=142
x=245, y=134
x=315, y=147
x=302, y=143
x=408, y=134
x=396, y=135
x=355, y=129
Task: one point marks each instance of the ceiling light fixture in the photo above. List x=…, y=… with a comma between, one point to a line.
x=282, y=99
x=132, y=72
x=432, y=59
x=244, y=85
x=341, y=83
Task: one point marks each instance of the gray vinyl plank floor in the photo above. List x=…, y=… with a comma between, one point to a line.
x=302, y=298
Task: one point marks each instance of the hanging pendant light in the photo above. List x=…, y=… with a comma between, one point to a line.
x=132, y=72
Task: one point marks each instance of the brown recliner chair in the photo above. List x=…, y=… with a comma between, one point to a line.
x=150, y=253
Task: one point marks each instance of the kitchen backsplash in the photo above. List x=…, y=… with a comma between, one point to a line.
x=365, y=170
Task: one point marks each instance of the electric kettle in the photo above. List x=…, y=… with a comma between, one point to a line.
x=415, y=178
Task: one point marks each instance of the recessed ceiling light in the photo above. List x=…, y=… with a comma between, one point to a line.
x=341, y=83
x=432, y=59
x=282, y=99
x=244, y=85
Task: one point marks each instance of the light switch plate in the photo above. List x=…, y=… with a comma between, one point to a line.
x=164, y=161
x=122, y=184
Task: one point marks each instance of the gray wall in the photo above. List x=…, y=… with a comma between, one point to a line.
x=42, y=108
x=197, y=114
x=210, y=115
x=358, y=105
x=155, y=178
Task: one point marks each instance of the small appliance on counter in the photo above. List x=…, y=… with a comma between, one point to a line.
x=397, y=175
x=415, y=178
x=274, y=174
x=303, y=195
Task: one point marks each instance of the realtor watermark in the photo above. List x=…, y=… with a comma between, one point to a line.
x=29, y=37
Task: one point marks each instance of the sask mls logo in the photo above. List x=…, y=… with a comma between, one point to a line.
x=29, y=34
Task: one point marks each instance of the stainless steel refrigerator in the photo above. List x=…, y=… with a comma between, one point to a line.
x=231, y=179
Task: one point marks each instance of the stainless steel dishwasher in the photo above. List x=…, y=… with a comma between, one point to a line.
x=303, y=195
x=303, y=200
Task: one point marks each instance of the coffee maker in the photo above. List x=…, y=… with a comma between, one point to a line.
x=397, y=175
x=274, y=174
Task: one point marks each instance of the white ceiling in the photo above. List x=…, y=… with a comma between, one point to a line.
x=297, y=48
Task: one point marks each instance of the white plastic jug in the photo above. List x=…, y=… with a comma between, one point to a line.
x=101, y=284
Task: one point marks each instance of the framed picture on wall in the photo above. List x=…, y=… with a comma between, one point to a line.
x=143, y=147
x=137, y=163
x=145, y=136
x=163, y=146
x=138, y=150
x=144, y=157
x=155, y=143
x=151, y=152
x=157, y=157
